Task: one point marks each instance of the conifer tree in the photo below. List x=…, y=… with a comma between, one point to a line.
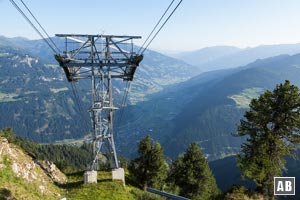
x=191, y=173
x=150, y=168
x=272, y=125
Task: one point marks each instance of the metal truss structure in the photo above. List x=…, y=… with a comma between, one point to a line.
x=100, y=58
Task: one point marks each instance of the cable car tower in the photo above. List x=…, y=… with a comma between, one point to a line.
x=100, y=58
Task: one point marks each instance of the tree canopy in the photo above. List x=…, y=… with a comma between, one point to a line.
x=272, y=125
x=191, y=173
x=150, y=168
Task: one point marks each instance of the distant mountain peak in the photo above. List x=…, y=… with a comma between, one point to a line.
x=224, y=57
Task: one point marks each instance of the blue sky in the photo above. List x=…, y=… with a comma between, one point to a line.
x=196, y=23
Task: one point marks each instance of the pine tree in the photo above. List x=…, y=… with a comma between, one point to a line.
x=272, y=125
x=150, y=168
x=191, y=173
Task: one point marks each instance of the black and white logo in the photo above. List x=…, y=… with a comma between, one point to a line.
x=284, y=185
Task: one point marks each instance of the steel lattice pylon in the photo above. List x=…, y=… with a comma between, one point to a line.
x=100, y=58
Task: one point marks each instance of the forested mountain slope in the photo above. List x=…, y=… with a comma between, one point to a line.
x=207, y=108
x=210, y=118
x=38, y=101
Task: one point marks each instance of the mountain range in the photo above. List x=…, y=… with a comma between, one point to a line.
x=38, y=101
x=224, y=57
x=207, y=108
x=170, y=100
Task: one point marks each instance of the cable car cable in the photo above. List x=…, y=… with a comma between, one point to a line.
x=40, y=25
x=32, y=25
x=156, y=26
x=161, y=27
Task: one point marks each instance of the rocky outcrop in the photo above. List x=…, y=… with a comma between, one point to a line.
x=21, y=164
x=53, y=172
x=14, y=160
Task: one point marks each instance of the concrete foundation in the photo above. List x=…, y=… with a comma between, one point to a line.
x=118, y=174
x=90, y=177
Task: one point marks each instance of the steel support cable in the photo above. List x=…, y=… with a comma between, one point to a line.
x=125, y=100
x=79, y=105
x=156, y=26
x=123, y=103
x=126, y=94
x=161, y=26
x=40, y=25
x=32, y=25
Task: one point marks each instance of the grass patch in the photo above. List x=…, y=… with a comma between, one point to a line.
x=30, y=92
x=53, y=66
x=104, y=189
x=101, y=190
x=244, y=98
x=76, y=142
x=9, y=97
x=4, y=54
x=57, y=90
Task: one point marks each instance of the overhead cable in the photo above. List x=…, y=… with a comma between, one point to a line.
x=32, y=25
x=156, y=26
x=40, y=25
x=123, y=102
x=145, y=48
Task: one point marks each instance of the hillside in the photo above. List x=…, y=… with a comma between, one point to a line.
x=21, y=176
x=164, y=100
x=210, y=118
x=207, y=108
x=155, y=72
x=39, y=102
